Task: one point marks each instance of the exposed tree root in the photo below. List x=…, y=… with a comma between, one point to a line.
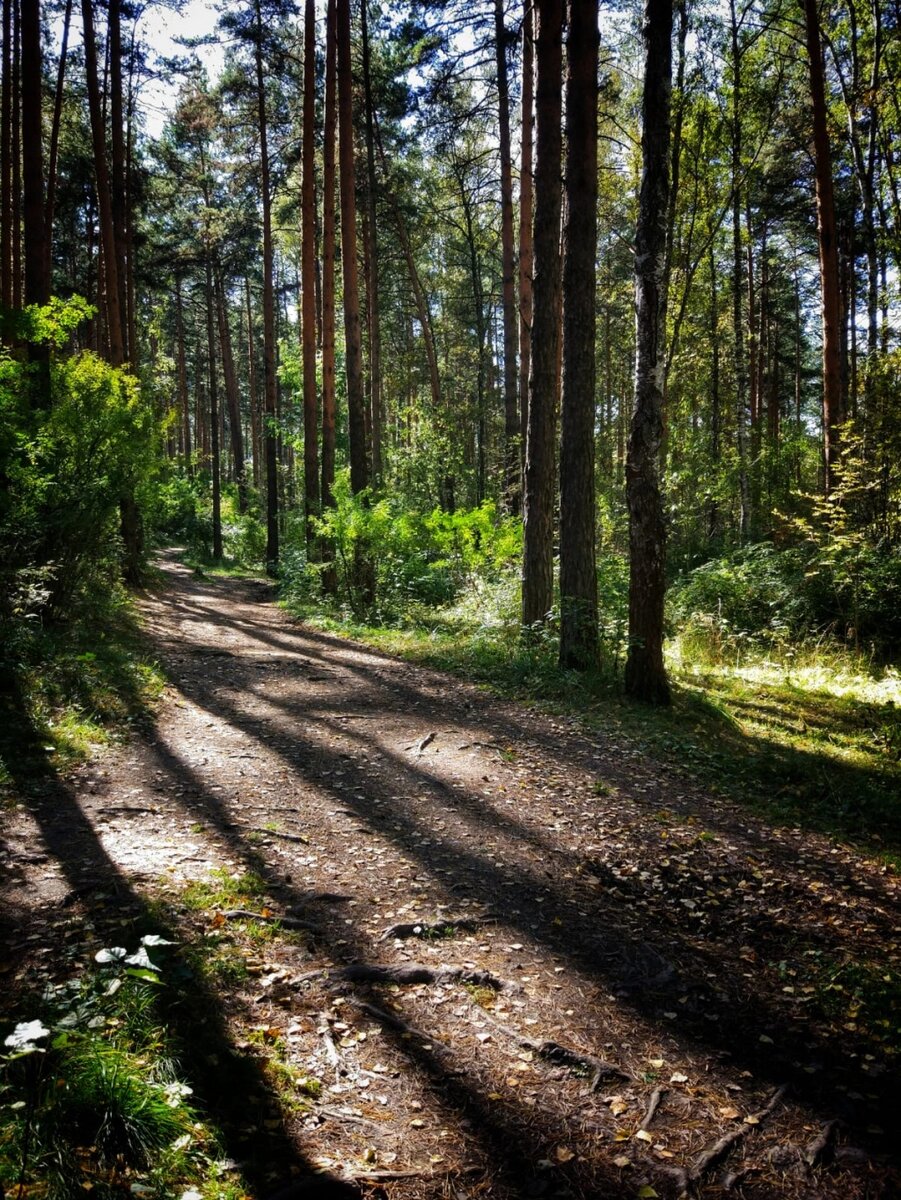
x=439, y=929
x=822, y=1149
x=586, y=1064
x=286, y=922
x=653, y=1104
x=408, y=973
x=714, y=1155
x=393, y=1021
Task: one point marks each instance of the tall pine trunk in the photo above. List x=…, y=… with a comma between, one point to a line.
x=826, y=234
x=578, y=576
x=512, y=474
x=308, y=281
x=270, y=404
x=538, y=505
x=376, y=416
x=645, y=676
x=328, y=283
x=526, y=191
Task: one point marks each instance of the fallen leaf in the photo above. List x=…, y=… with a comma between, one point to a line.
x=730, y=1113
x=644, y=1136
x=563, y=1154
x=678, y=1077
x=621, y=1161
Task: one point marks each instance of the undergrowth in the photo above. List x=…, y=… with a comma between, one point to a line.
x=92, y=1096
x=65, y=687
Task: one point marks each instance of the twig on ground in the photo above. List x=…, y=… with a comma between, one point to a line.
x=245, y=914
x=653, y=1104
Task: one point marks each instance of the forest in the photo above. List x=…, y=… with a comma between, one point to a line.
x=551, y=352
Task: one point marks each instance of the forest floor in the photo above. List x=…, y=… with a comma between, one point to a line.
x=443, y=945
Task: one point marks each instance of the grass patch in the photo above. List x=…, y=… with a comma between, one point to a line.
x=65, y=689
x=223, y=889
x=92, y=1098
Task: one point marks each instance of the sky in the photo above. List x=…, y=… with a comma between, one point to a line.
x=158, y=32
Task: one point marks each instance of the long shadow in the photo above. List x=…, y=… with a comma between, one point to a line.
x=230, y=1086
x=619, y=959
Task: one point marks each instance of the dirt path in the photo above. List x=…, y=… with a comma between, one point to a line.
x=595, y=980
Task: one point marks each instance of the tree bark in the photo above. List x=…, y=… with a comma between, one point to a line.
x=182, y=376
x=37, y=283
x=356, y=421
x=538, y=506
x=104, y=199
x=215, y=466
x=6, y=165
x=578, y=574
x=645, y=676
x=231, y=393
x=526, y=191
x=308, y=281
x=329, y=581
x=117, y=173
x=53, y=155
x=512, y=473
x=828, y=247
x=372, y=257
x=270, y=405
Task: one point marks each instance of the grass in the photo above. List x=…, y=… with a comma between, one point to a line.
x=66, y=689
x=96, y=1104
x=223, y=889
x=812, y=739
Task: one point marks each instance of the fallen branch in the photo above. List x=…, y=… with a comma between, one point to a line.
x=286, y=837
x=713, y=1156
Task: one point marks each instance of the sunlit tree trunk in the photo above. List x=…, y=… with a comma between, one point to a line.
x=356, y=422
x=104, y=200
x=308, y=281
x=231, y=394
x=645, y=676
x=525, y=225
x=6, y=165
x=270, y=405
x=372, y=259
x=512, y=474
x=826, y=235
x=53, y=154
x=329, y=582
x=117, y=173
x=578, y=576
x=538, y=506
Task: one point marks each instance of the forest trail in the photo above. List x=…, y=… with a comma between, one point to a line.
x=522, y=960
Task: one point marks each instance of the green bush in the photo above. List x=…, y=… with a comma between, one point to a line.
x=65, y=468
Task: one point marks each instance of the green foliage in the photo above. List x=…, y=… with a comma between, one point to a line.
x=93, y=1099
x=421, y=558
x=65, y=470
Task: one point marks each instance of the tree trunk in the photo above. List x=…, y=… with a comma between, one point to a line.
x=253, y=392
x=37, y=284
x=738, y=339
x=526, y=192
x=270, y=405
x=53, y=156
x=184, y=407
x=645, y=676
x=538, y=506
x=308, y=281
x=215, y=466
x=104, y=200
x=512, y=473
x=372, y=256
x=329, y=579
x=356, y=421
x=826, y=234
x=578, y=574
x=6, y=165
x=117, y=174
x=231, y=394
